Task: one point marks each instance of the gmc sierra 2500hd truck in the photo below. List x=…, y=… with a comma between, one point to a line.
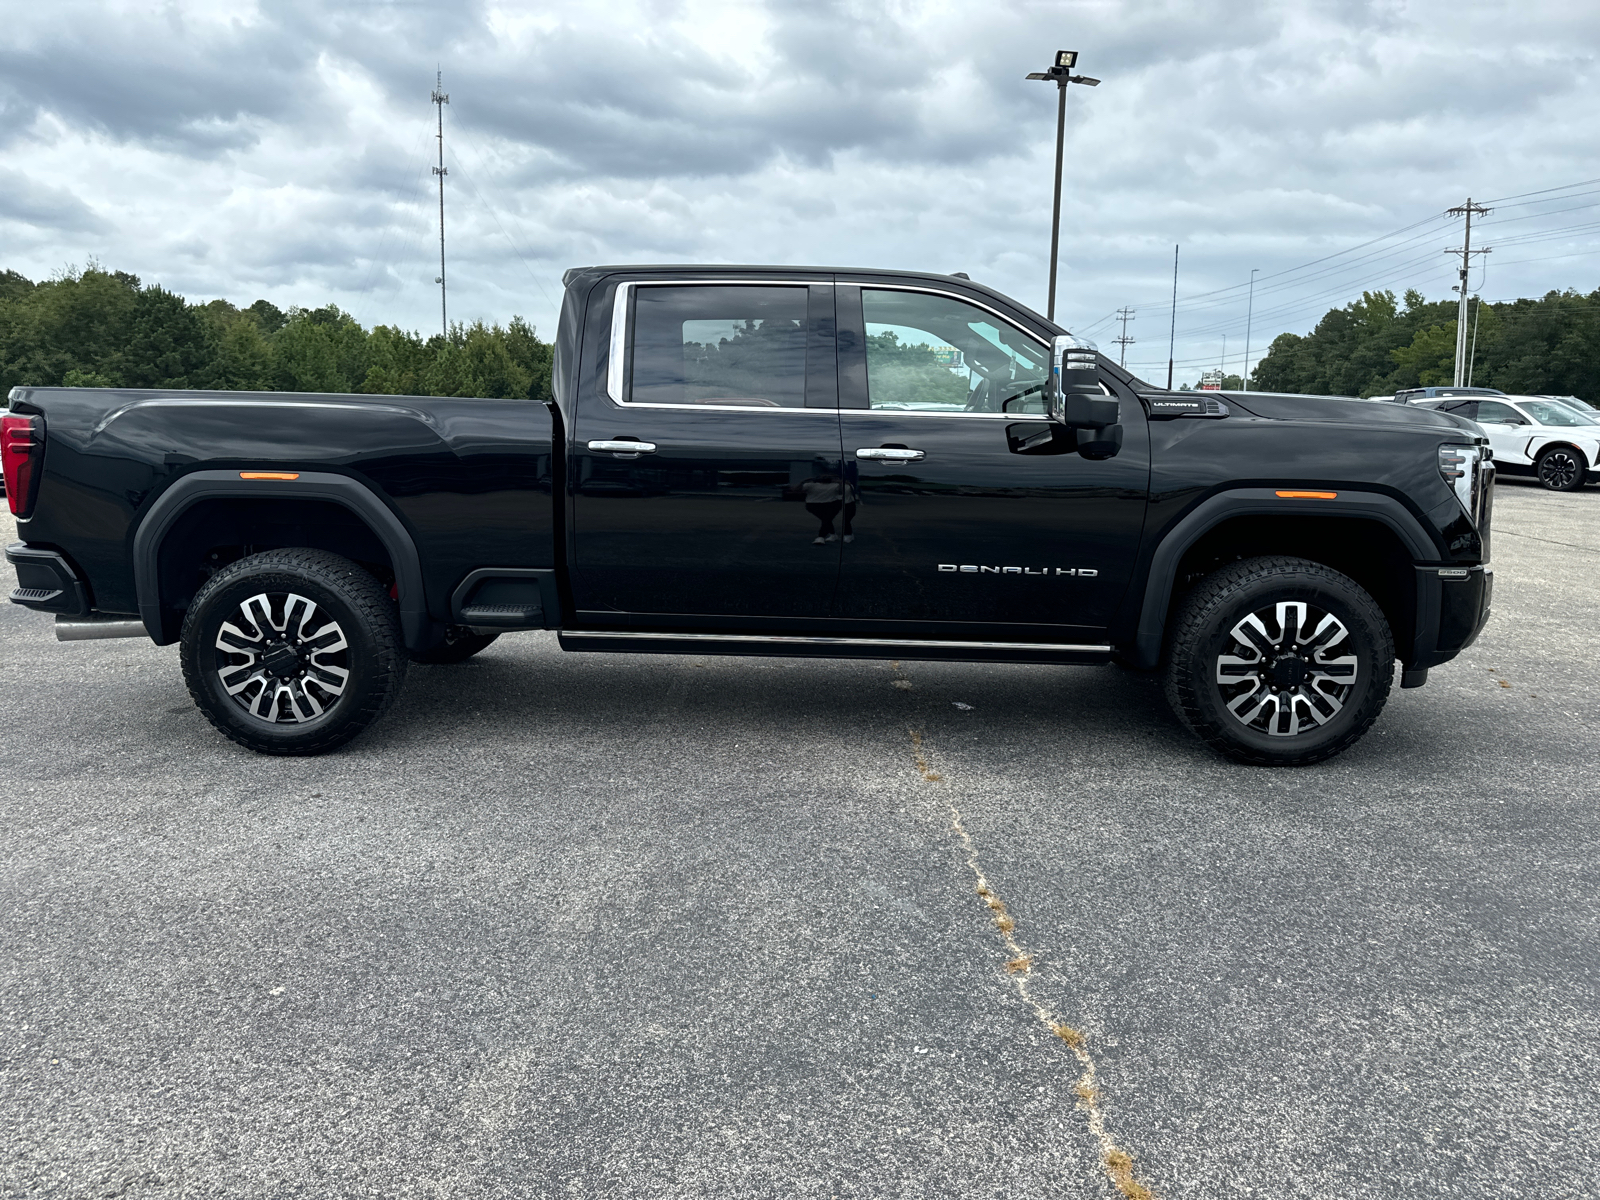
x=768, y=460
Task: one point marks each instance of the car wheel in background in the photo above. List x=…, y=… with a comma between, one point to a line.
x=292, y=651
x=1561, y=469
x=1279, y=661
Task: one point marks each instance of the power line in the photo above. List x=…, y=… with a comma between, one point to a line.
x=1501, y=201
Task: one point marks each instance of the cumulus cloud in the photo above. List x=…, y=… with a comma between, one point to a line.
x=241, y=148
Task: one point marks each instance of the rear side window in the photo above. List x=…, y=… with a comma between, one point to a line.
x=1461, y=408
x=727, y=346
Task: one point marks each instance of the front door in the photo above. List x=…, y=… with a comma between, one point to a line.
x=1507, y=430
x=729, y=506
x=963, y=514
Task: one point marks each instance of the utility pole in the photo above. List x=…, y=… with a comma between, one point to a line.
x=1464, y=210
x=440, y=99
x=1060, y=74
x=1248, y=316
x=1172, y=334
x=1124, y=315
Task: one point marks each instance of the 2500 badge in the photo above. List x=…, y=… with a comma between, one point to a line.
x=969, y=569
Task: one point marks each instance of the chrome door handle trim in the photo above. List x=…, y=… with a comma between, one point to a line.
x=630, y=448
x=885, y=454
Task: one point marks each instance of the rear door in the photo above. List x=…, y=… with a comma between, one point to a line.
x=966, y=513
x=728, y=390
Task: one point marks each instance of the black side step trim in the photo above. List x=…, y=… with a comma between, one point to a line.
x=794, y=645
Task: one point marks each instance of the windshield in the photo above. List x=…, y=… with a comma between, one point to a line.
x=1553, y=412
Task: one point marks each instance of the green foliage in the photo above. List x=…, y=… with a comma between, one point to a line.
x=899, y=374
x=98, y=328
x=1377, y=347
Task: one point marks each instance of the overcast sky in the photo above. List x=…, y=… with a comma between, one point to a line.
x=283, y=149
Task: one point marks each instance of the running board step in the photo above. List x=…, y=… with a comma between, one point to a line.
x=504, y=616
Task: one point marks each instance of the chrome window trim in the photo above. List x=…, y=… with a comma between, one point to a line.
x=930, y=412
x=617, y=359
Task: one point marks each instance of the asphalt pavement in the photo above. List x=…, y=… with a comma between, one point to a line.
x=590, y=925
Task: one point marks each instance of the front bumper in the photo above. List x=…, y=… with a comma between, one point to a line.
x=1453, y=605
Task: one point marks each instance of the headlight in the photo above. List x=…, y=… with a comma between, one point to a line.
x=1466, y=469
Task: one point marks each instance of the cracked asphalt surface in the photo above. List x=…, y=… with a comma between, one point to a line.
x=637, y=926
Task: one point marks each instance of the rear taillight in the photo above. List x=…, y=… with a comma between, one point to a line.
x=21, y=449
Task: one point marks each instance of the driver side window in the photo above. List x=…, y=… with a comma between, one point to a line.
x=929, y=353
x=1496, y=412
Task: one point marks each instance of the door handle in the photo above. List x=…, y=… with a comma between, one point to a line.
x=622, y=449
x=889, y=454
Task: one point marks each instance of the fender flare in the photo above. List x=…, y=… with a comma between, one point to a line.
x=348, y=493
x=1249, y=502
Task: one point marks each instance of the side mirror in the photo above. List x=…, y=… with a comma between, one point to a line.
x=1072, y=390
x=1073, y=398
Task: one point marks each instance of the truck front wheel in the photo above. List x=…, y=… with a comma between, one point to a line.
x=292, y=651
x=1279, y=661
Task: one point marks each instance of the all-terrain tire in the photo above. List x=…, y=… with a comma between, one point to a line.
x=292, y=651
x=1279, y=661
x=1561, y=469
x=453, y=649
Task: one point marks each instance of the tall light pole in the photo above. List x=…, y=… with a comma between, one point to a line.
x=1061, y=75
x=1249, y=314
x=440, y=99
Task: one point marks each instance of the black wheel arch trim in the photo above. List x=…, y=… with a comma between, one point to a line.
x=191, y=489
x=1238, y=502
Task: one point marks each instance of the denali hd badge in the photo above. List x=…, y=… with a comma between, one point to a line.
x=968, y=569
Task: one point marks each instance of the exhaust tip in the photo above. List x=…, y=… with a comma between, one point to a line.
x=98, y=625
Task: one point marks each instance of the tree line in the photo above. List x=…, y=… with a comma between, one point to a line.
x=99, y=328
x=1378, y=345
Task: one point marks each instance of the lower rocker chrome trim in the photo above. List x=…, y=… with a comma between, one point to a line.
x=800, y=640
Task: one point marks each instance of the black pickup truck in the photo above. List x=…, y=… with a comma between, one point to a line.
x=768, y=460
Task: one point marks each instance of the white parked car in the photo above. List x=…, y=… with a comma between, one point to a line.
x=1533, y=435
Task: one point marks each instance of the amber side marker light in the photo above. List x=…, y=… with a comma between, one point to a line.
x=1308, y=495
x=296, y=475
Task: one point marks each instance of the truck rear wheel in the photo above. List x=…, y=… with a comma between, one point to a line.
x=292, y=651
x=1279, y=661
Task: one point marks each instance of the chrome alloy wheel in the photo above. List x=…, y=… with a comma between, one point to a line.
x=1290, y=668
x=281, y=660
x=1558, y=469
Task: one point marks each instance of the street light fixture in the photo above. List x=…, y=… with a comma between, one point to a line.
x=1060, y=74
